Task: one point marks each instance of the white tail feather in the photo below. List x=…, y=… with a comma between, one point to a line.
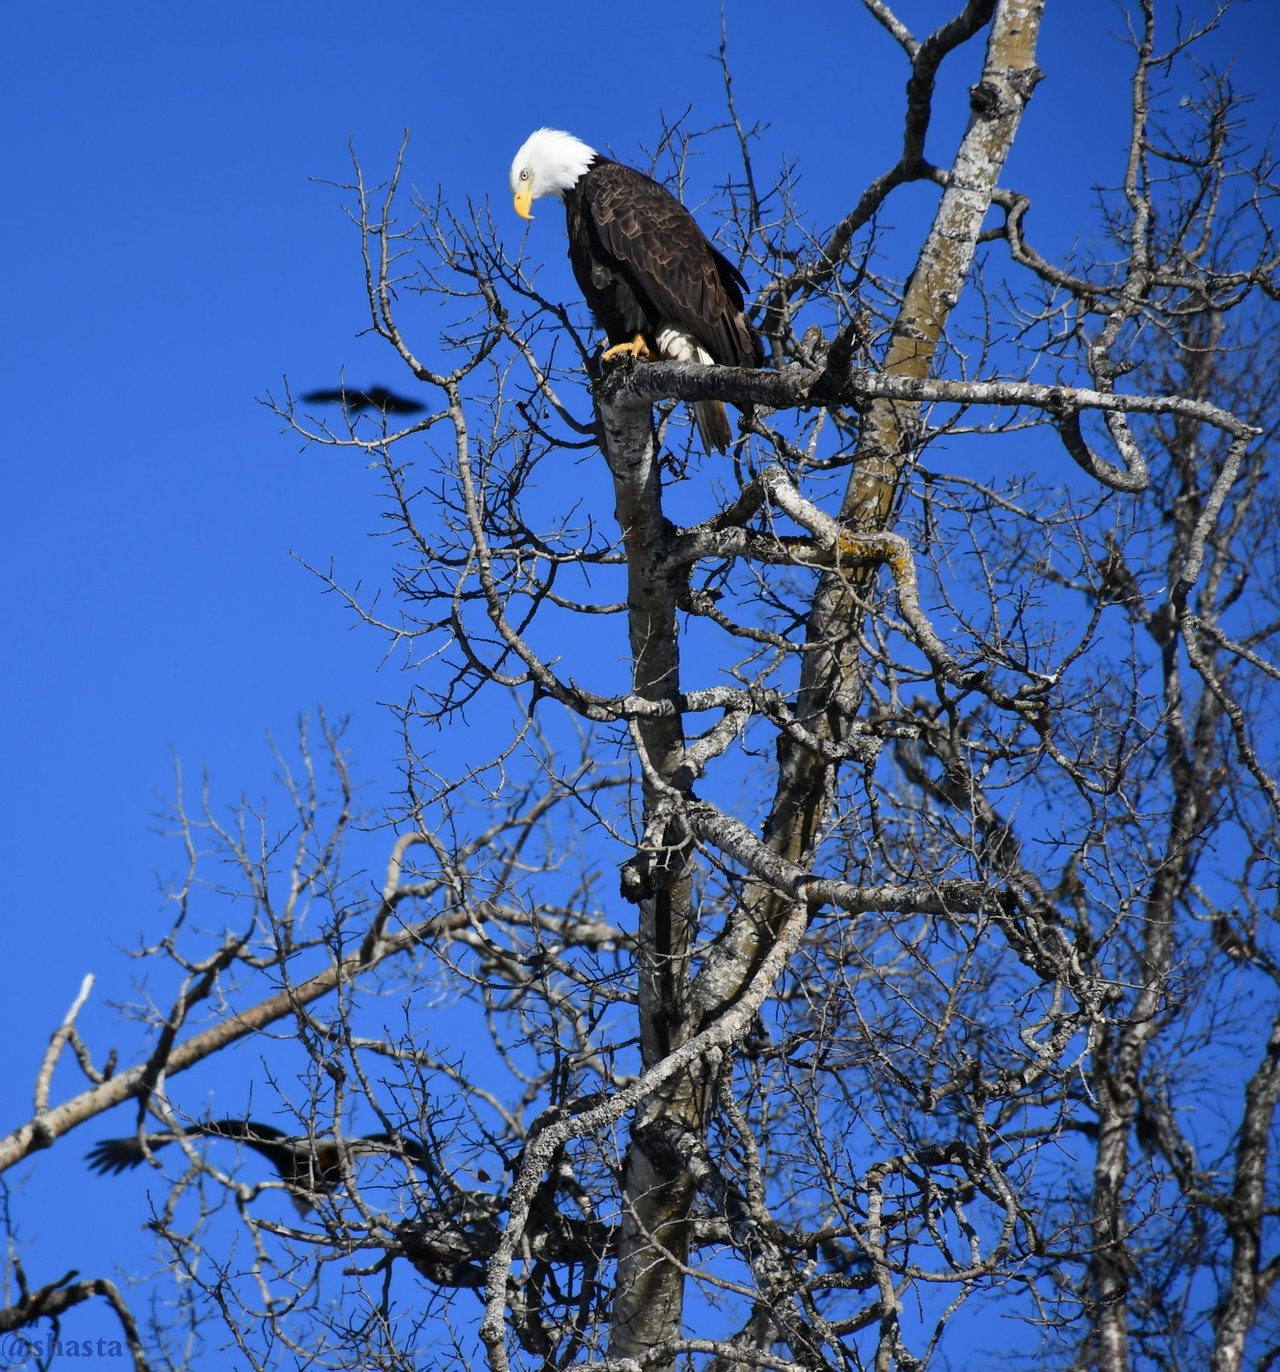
x=710, y=416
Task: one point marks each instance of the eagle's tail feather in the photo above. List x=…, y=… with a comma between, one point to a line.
x=709, y=415
x=712, y=420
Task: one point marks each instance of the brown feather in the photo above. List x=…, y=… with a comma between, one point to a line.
x=642, y=262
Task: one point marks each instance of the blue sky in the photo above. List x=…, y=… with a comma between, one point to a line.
x=169, y=258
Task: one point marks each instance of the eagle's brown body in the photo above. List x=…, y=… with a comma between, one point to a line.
x=642, y=261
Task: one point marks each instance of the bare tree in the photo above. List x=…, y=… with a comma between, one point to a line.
x=880, y=932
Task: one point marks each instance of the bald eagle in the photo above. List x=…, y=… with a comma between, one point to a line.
x=655, y=283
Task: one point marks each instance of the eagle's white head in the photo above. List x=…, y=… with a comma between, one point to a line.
x=549, y=163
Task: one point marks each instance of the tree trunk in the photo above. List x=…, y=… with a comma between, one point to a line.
x=657, y=1188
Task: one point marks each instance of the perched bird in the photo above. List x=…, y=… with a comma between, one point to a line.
x=306, y=1166
x=375, y=398
x=656, y=284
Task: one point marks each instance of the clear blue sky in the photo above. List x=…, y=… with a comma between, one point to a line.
x=167, y=259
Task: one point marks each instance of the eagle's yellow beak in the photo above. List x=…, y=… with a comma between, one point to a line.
x=523, y=199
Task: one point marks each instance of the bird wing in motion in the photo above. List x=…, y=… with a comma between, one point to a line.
x=356, y=402
x=305, y=1165
x=113, y=1156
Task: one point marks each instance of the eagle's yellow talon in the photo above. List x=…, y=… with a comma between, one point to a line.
x=637, y=347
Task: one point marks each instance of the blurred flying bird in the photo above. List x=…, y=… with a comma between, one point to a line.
x=356, y=402
x=308, y=1167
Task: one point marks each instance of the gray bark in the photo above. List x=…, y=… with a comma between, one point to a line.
x=657, y=1188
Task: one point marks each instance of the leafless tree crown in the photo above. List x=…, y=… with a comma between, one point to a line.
x=855, y=927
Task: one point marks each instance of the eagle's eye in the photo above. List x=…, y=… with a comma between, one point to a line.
x=524, y=173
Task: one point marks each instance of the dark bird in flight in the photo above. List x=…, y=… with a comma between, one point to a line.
x=656, y=284
x=308, y=1167
x=375, y=398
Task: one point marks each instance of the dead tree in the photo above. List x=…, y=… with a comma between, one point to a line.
x=858, y=900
